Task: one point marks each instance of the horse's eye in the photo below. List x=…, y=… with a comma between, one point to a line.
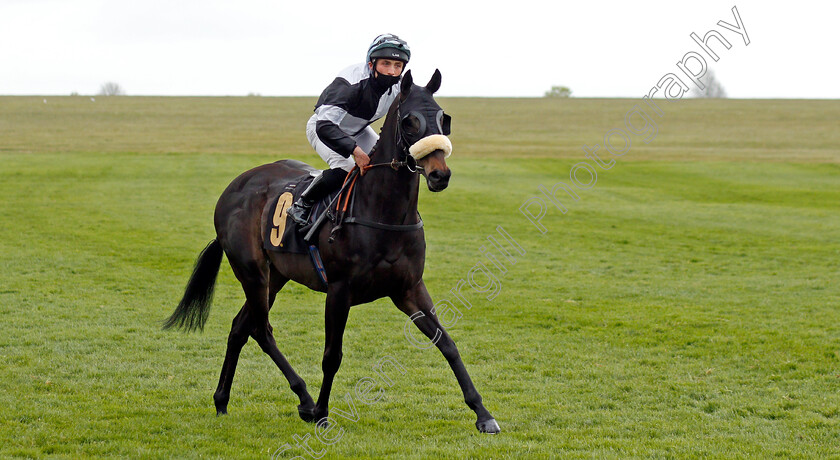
x=411, y=125
x=444, y=122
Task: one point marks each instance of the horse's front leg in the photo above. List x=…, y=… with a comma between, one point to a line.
x=335, y=320
x=418, y=300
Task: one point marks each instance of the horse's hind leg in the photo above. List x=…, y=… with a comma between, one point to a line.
x=253, y=320
x=264, y=335
x=236, y=340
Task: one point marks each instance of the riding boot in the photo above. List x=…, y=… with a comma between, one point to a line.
x=322, y=185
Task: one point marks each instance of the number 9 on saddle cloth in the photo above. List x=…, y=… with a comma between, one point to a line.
x=281, y=233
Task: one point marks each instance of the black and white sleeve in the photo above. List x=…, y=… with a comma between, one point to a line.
x=331, y=110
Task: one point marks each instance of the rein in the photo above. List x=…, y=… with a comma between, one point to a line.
x=400, y=144
x=348, y=189
x=395, y=165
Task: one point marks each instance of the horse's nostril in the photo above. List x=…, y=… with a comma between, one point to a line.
x=438, y=175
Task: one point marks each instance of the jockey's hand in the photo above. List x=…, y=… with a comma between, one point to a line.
x=361, y=158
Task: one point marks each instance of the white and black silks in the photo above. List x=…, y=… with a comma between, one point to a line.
x=353, y=101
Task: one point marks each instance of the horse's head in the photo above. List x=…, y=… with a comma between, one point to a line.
x=424, y=129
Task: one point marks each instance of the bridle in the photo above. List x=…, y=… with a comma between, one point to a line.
x=402, y=145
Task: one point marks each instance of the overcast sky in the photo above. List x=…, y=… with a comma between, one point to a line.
x=518, y=48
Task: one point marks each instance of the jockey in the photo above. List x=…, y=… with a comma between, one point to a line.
x=340, y=128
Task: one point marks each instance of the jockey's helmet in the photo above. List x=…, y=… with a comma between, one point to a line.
x=389, y=46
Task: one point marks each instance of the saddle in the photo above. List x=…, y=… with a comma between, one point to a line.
x=281, y=233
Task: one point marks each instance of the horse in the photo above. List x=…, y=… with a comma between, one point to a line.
x=380, y=254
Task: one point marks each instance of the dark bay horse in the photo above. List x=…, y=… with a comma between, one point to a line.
x=364, y=262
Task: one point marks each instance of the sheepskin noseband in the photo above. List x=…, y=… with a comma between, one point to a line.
x=429, y=144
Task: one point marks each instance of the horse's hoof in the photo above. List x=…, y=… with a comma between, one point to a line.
x=488, y=426
x=221, y=411
x=307, y=413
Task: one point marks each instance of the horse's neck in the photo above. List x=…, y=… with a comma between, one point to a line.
x=387, y=195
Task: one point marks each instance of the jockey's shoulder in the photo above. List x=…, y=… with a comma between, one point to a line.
x=355, y=73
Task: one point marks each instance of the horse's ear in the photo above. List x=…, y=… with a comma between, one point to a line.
x=434, y=83
x=405, y=86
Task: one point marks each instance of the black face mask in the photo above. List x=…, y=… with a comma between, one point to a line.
x=384, y=82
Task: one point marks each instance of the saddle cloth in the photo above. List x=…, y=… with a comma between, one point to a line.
x=281, y=232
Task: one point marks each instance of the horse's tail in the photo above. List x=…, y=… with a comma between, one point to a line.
x=194, y=308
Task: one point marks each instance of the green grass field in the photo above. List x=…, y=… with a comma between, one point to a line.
x=686, y=306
